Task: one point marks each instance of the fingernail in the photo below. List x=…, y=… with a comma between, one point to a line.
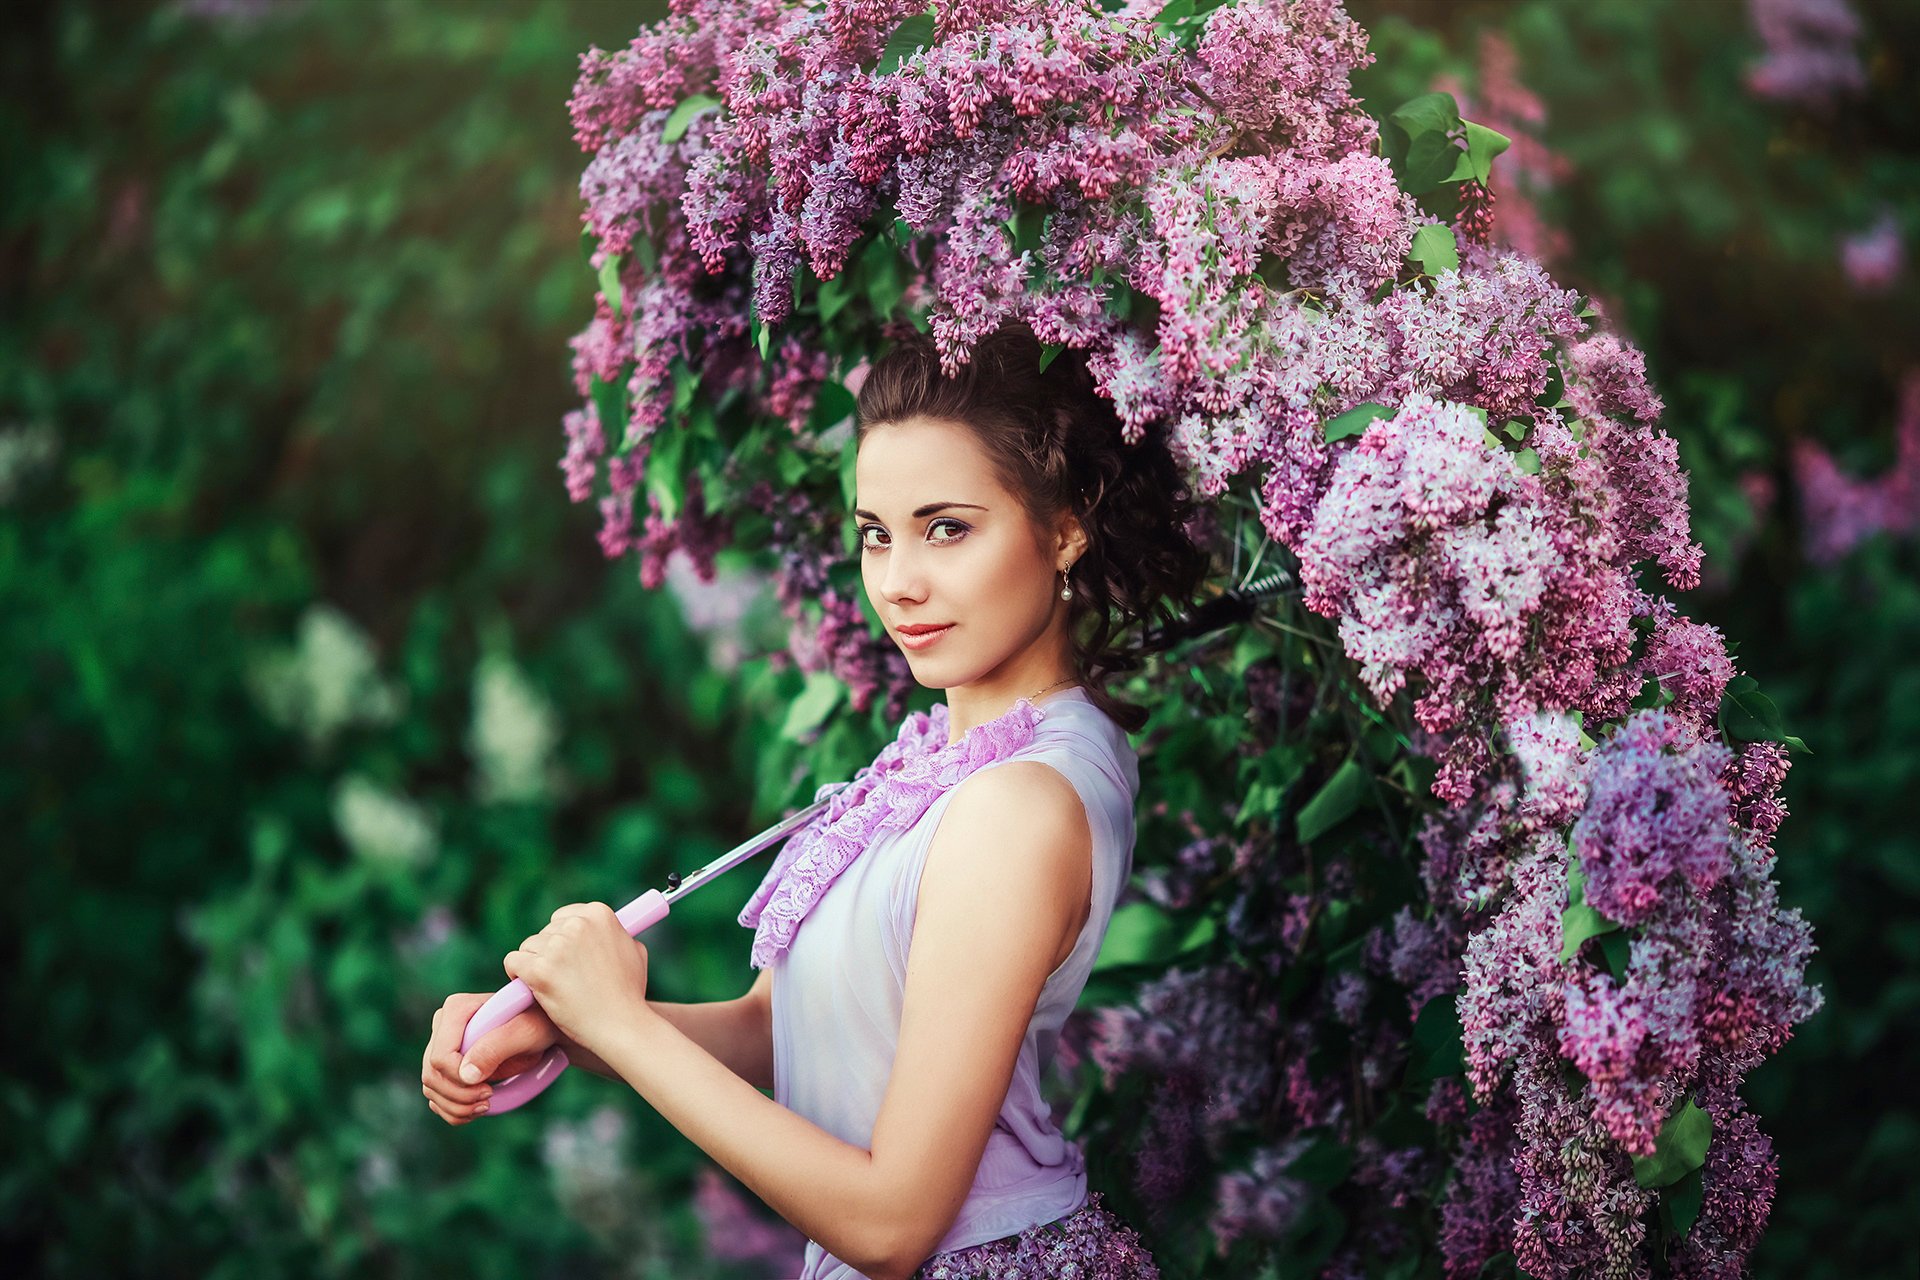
x=480, y=1108
x=470, y=1072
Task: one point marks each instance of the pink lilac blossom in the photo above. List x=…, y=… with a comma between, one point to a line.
x=697, y=532
x=1714, y=979
x=1656, y=814
x=1261, y=1202
x=1737, y=1193
x=1528, y=169
x=736, y=1232
x=1091, y=1243
x=1809, y=56
x=1476, y=546
x=1196, y=1025
x=1837, y=512
x=1477, y=1209
x=1874, y=258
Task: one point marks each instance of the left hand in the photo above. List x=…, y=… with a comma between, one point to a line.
x=584, y=971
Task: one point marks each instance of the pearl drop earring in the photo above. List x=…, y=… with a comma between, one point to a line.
x=1066, y=592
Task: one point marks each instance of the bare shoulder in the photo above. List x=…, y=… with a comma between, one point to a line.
x=1019, y=826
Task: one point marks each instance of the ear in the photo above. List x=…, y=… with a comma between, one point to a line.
x=1070, y=538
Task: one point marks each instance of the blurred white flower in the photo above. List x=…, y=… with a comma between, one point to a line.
x=328, y=680
x=716, y=610
x=382, y=826
x=513, y=734
x=23, y=451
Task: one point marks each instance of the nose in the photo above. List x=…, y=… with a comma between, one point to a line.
x=902, y=576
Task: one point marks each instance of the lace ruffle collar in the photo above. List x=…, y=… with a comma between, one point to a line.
x=904, y=780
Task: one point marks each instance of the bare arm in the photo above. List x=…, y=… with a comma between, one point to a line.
x=1004, y=890
x=739, y=1032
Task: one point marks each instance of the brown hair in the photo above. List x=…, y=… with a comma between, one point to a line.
x=1055, y=441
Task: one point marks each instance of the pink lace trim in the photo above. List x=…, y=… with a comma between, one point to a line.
x=904, y=780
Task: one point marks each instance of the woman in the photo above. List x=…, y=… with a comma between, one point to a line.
x=1007, y=535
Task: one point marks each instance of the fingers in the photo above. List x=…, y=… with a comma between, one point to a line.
x=454, y=1117
x=509, y=1048
x=452, y=1098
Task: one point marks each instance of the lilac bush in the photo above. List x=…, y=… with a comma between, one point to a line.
x=1507, y=1015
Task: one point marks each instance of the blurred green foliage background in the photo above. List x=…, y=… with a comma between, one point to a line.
x=318, y=697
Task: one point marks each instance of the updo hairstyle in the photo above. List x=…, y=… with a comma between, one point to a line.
x=1055, y=442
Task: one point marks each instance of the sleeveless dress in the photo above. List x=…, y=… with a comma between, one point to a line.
x=834, y=920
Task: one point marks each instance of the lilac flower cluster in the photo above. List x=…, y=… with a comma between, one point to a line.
x=1838, y=512
x=1713, y=978
x=1874, y=257
x=738, y=1232
x=1209, y=221
x=1808, y=56
x=1088, y=1244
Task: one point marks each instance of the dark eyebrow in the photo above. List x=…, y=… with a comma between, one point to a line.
x=922, y=512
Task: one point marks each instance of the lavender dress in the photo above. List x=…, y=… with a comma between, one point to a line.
x=839, y=982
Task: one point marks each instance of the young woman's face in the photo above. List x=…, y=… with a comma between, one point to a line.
x=942, y=543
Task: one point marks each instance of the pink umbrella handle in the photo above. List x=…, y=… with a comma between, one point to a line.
x=515, y=999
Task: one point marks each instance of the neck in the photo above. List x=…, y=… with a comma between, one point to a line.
x=1038, y=676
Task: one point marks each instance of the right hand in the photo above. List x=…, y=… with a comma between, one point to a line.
x=515, y=1046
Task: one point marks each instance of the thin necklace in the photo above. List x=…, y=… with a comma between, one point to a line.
x=1055, y=685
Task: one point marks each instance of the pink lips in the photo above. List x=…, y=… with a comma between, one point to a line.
x=924, y=638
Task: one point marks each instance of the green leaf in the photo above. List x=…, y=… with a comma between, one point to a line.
x=1432, y=160
x=666, y=468
x=1434, y=249
x=1483, y=144
x=1556, y=386
x=1439, y=1042
x=1354, y=421
x=1617, y=949
x=1577, y=924
x=816, y=702
x=1680, y=1149
x=610, y=403
x=1580, y=921
x=1748, y=715
x=832, y=296
x=1337, y=799
x=1683, y=1200
x=1429, y=113
x=685, y=383
x=849, y=454
x=648, y=255
x=1528, y=461
x=913, y=34
x=1172, y=12
x=1048, y=352
x=1026, y=226
x=683, y=116
x=1137, y=933
x=880, y=266
x=831, y=403
x=792, y=466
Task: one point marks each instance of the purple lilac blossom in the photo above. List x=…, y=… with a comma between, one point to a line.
x=1874, y=257
x=1809, y=56
x=1234, y=187
x=1839, y=512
